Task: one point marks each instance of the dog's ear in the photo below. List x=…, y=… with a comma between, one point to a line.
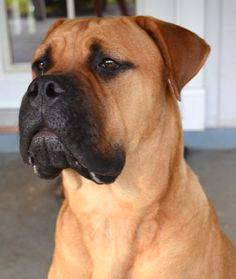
x=52, y=27
x=183, y=52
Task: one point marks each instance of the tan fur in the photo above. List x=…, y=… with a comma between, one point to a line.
x=154, y=221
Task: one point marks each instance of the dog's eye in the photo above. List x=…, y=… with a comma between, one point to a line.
x=109, y=64
x=41, y=67
x=42, y=64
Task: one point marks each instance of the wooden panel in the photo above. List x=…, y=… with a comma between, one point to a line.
x=9, y=130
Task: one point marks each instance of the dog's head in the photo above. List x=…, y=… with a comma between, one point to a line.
x=98, y=87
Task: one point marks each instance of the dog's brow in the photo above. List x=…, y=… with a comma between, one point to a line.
x=95, y=50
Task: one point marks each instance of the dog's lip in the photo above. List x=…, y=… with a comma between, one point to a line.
x=76, y=163
x=44, y=132
x=101, y=179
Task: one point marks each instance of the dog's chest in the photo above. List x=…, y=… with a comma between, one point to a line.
x=110, y=243
x=113, y=242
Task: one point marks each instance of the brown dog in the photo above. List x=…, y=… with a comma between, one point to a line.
x=102, y=107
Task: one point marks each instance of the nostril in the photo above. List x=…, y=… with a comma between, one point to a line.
x=53, y=90
x=50, y=92
x=33, y=91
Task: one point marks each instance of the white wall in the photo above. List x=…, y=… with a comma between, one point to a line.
x=227, y=77
x=221, y=70
x=215, y=20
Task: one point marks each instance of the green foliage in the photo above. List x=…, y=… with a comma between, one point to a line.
x=23, y=5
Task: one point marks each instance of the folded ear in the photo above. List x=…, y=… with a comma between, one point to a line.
x=184, y=53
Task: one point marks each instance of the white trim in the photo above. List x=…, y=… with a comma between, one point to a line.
x=13, y=80
x=5, y=58
x=6, y=64
x=70, y=4
x=213, y=70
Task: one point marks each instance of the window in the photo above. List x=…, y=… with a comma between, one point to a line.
x=26, y=22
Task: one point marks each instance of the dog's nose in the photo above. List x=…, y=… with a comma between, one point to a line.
x=45, y=87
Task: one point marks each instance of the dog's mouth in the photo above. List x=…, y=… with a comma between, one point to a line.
x=48, y=155
x=60, y=128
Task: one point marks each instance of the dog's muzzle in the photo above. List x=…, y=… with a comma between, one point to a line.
x=59, y=129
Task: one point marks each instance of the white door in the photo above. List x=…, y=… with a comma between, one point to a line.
x=190, y=14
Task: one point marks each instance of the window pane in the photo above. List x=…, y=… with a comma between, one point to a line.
x=28, y=20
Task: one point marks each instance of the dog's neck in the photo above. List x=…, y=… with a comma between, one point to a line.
x=163, y=164
x=132, y=213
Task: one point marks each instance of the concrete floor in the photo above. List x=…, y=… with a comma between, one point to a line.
x=28, y=209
